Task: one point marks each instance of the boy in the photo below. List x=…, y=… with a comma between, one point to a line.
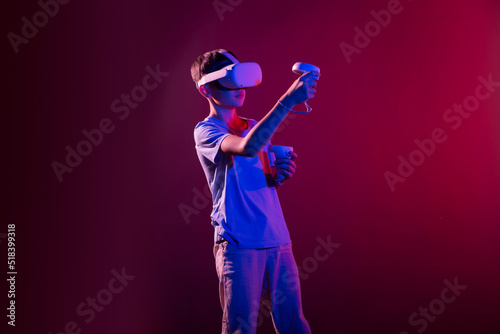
x=252, y=249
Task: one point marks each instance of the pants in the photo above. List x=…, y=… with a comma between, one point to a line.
x=248, y=277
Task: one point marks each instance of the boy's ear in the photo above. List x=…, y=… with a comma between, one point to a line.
x=205, y=91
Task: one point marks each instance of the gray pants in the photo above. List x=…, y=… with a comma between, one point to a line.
x=248, y=277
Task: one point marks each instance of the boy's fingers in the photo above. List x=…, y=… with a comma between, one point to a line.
x=313, y=79
x=284, y=161
x=288, y=167
x=308, y=75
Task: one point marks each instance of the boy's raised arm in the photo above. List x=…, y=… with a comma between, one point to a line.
x=301, y=90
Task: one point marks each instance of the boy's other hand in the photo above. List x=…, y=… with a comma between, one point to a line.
x=301, y=90
x=286, y=166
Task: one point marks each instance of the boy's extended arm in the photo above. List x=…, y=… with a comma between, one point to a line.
x=302, y=89
x=260, y=134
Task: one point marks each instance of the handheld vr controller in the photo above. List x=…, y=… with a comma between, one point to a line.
x=301, y=68
x=280, y=152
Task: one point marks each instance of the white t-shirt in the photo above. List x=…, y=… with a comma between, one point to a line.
x=246, y=209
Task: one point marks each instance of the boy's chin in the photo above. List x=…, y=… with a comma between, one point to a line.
x=237, y=103
x=232, y=104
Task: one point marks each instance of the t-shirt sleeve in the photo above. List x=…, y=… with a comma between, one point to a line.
x=208, y=139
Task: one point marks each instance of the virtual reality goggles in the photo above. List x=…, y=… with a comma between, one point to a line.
x=235, y=76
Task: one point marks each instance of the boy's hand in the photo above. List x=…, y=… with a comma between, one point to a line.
x=286, y=166
x=301, y=90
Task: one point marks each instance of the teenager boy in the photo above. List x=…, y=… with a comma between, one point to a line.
x=252, y=250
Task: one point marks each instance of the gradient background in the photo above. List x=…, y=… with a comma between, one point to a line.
x=120, y=207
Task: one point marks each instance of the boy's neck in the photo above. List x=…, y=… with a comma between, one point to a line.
x=228, y=117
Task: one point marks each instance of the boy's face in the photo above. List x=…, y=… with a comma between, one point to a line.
x=231, y=98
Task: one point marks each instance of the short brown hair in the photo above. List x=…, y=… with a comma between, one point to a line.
x=209, y=62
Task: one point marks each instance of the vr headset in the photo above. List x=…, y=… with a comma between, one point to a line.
x=235, y=76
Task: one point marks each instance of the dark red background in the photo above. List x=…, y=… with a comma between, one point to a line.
x=120, y=207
